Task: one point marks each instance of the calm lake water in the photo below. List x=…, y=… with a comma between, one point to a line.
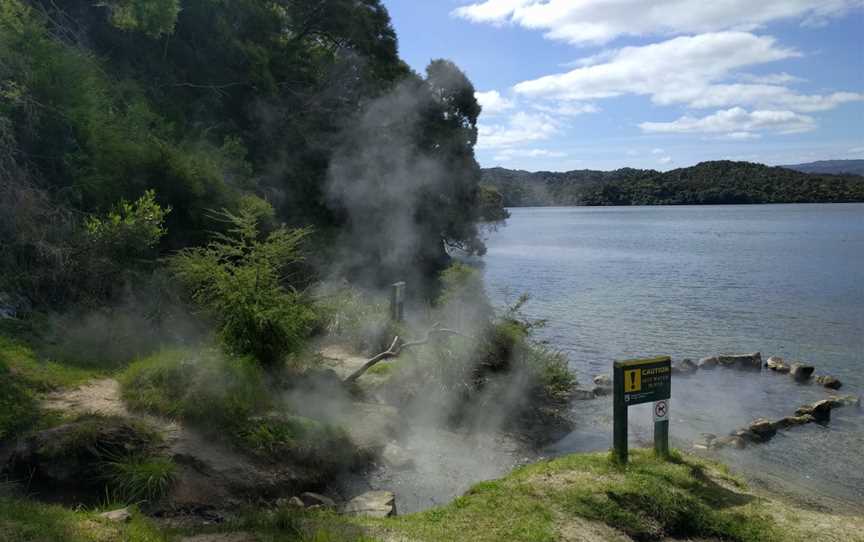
x=621, y=282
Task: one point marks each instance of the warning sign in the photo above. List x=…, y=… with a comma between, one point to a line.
x=644, y=380
x=661, y=411
x=633, y=380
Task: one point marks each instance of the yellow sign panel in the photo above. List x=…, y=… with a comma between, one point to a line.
x=632, y=380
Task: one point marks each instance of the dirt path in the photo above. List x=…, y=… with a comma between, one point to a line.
x=95, y=397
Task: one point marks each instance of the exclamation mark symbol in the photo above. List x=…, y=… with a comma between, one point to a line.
x=632, y=380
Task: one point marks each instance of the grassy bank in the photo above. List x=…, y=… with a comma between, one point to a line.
x=587, y=498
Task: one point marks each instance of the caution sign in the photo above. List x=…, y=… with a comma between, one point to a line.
x=633, y=380
x=643, y=380
x=661, y=411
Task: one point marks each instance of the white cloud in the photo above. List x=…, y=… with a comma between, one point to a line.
x=600, y=21
x=657, y=151
x=688, y=70
x=664, y=160
x=856, y=150
x=506, y=155
x=493, y=103
x=679, y=63
x=771, y=78
x=567, y=109
x=735, y=121
x=741, y=136
x=519, y=129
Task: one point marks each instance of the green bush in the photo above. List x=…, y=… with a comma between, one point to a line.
x=203, y=387
x=304, y=440
x=356, y=318
x=238, y=279
x=18, y=408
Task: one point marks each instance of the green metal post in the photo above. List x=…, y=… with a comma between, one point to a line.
x=619, y=429
x=661, y=438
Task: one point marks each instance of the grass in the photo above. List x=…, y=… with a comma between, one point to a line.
x=203, y=387
x=305, y=441
x=585, y=494
x=23, y=520
x=137, y=477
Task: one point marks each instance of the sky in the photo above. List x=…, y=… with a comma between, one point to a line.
x=660, y=84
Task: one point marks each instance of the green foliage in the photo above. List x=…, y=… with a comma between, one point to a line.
x=491, y=203
x=238, y=279
x=130, y=229
x=719, y=182
x=137, y=478
x=306, y=441
x=18, y=407
x=202, y=387
x=152, y=17
x=37, y=374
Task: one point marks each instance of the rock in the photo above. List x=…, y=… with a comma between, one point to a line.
x=293, y=502
x=376, y=504
x=742, y=361
x=793, y=421
x=820, y=410
x=747, y=436
x=396, y=457
x=708, y=363
x=762, y=428
x=776, y=363
x=604, y=381
x=829, y=382
x=801, y=372
x=310, y=499
x=684, y=367
x=119, y=516
x=706, y=441
x=845, y=400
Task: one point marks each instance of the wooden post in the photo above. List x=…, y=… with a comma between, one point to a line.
x=397, y=302
x=661, y=438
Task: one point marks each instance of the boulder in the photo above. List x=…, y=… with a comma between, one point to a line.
x=742, y=361
x=776, y=363
x=793, y=421
x=118, y=516
x=708, y=363
x=820, y=410
x=310, y=499
x=801, y=372
x=684, y=367
x=376, y=504
x=763, y=428
x=603, y=381
x=829, y=382
x=293, y=502
x=396, y=457
x=845, y=400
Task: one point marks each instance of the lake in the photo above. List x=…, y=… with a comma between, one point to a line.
x=693, y=281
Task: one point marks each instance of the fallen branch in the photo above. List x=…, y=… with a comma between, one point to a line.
x=396, y=348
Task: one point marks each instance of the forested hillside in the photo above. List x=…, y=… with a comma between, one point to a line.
x=721, y=182
x=149, y=118
x=832, y=167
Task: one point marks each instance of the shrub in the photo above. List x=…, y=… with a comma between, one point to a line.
x=203, y=387
x=18, y=408
x=305, y=440
x=356, y=318
x=238, y=279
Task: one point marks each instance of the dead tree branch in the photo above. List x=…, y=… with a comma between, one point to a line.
x=396, y=348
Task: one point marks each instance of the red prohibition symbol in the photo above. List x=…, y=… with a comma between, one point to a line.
x=660, y=409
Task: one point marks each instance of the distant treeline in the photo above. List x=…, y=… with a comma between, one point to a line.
x=720, y=182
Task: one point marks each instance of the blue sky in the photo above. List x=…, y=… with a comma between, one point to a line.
x=602, y=84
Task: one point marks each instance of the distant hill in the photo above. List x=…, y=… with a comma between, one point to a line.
x=833, y=167
x=718, y=182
